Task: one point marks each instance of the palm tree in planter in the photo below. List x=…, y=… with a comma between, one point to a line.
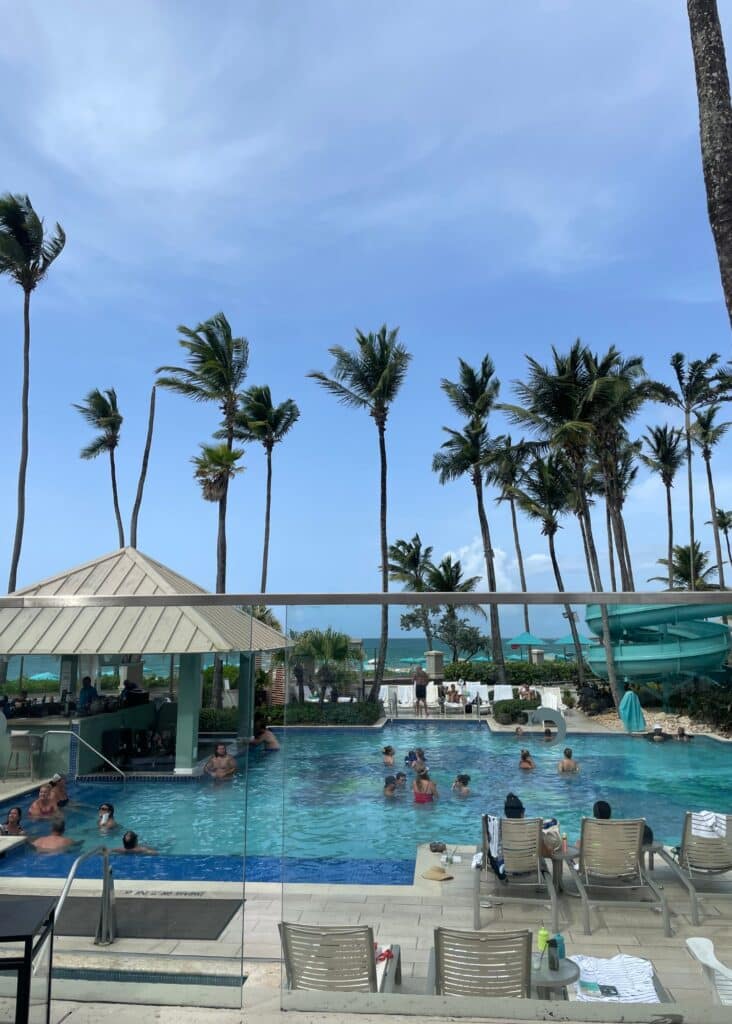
x=707, y=434
x=665, y=457
x=681, y=569
x=100, y=410
x=26, y=254
x=409, y=564
x=370, y=378
x=258, y=419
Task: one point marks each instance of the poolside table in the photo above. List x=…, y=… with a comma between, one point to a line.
x=546, y=982
x=28, y=921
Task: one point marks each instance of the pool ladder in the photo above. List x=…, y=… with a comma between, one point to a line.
x=107, y=924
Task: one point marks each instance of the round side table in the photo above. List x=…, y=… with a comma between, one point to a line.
x=547, y=982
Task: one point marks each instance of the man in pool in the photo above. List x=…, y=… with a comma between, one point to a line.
x=389, y=785
x=221, y=765
x=44, y=806
x=131, y=844
x=568, y=763
x=56, y=842
x=264, y=737
x=400, y=780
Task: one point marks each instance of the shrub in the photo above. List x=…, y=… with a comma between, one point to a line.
x=514, y=709
x=358, y=713
x=218, y=719
x=569, y=698
x=517, y=672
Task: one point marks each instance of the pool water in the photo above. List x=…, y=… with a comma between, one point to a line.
x=326, y=786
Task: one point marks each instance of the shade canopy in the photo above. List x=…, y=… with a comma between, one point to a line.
x=568, y=641
x=527, y=640
x=411, y=661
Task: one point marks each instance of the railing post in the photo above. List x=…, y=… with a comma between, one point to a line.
x=107, y=927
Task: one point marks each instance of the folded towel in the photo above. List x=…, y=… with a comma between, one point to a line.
x=708, y=825
x=625, y=979
x=494, y=836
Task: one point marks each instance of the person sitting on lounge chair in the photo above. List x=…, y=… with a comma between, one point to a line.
x=603, y=810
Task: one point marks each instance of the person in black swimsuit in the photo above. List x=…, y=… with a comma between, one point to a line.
x=420, y=691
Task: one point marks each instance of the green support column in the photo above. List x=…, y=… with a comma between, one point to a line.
x=246, y=695
x=189, y=705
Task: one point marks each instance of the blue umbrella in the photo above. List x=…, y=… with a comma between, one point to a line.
x=45, y=677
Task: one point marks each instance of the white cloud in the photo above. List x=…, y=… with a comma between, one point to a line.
x=472, y=561
x=537, y=563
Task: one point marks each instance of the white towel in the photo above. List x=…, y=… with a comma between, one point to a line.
x=631, y=976
x=494, y=837
x=708, y=825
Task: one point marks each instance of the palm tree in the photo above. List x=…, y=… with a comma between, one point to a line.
x=665, y=458
x=699, y=385
x=262, y=613
x=715, y=123
x=724, y=523
x=447, y=578
x=329, y=649
x=543, y=495
x=259, y=420
x=370, y=378
x=467, y=453
x=26, y=253
x=681, y=569
x=409, y=564
x=214, y=468
x=706, y=435
x=216, y=370
x=143, y=471
x=100, y=411
x=505, y=468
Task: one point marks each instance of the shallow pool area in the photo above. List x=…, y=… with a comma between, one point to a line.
x=326, y=787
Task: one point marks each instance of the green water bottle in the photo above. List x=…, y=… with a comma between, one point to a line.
x=542, y=939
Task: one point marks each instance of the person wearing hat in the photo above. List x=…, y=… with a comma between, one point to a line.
x=58, y=785
x=658, y=735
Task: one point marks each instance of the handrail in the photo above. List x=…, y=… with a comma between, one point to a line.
x=74, y=735
x=107, y=927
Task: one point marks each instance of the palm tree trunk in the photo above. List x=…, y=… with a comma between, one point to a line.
x=115, y=499
x=690, y=485
x=729, y=549
x=715, y=527
x=217, y=689
x=715, y=124
x=626, y=549
x=606, y=639
x=568, y=612
x=496, y=642
x=267, y=505
x=23, y=465
x=520, y=560
x=585, y=547
x=670, y=549
x=143, y=471
x=611, y=557
x=384, y=637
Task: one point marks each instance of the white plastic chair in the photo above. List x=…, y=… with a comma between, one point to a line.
x=719, y=976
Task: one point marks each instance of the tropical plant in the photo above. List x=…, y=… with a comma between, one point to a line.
x=409, y=563
x=216, y=370
x=715, y=123
x=328, y=648
x=682, y=566
x=26, y=254
x=100, y=410
x=664, y=457
x=258, y=419
x=505, y=468
x=454, y=630
x=370, y=378
x=467, y=453
x=707, y=434
x=724, y=523
x=262, y=613
x=143, y=470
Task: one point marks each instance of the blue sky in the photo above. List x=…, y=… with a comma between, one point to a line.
x=491, y=178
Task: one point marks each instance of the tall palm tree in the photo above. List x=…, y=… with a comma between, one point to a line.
x=101, y=412
x=505, y=468
x=707, y=434
x=724, y=523
x=26, y=253
x=715, y=124
x=258, y=419
x=699, y=384
x=409, y=564
x=217, y=367
x=447, y=578
x=215, y=467
x=664, y=456
x=543, y=495
x=682, y=565
x=370, y=378
x=467, y=453
x=559, y=403
x=143, y=470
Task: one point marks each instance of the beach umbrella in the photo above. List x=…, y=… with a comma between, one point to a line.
x=411, y=661
x=45, y=677
x=567, y=641
x=527, y=640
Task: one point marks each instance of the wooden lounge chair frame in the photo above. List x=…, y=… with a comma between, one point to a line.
x=336, y=959
x=480, y=963
x=610, y=864
x=718, y=976
x=524, y=865
x=700, y=858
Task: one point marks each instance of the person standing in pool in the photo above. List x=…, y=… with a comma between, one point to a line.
x=400, y=780
x=105, y=819
x=526, y=761
x=221, y=765
x=461, y=785
x=12, y=826
x=420, y=681
x=44, y=806
x=421, y=762
x=56, y=842
x=388, y=753
x=424, y=789
x=568, y=763
x=265, y=738
x=390, y=786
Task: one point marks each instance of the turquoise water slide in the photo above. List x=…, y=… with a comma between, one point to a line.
x=655, y=641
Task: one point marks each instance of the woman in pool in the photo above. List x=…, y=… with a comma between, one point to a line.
x=388, y=753
x=58, y=787
x=460, y=786
x=389, y=786
x=105, y=819
x=12, y=826
x=421, y=763
x=568, y=763
x=526, y=762
x=424, y=789
x=44, y=806
x=400, y=780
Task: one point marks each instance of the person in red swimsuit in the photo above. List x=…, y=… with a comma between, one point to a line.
x=424, y=789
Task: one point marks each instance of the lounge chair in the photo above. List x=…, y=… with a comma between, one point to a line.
x=610, y=866
x=502, y=691
x=701, y=858
x=405, y=695
x=480, y=964
x=719, y=976
x=337, y=959
x=524, y=865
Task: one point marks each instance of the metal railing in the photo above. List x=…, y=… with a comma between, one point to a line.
x=75, y=736
x=107, y=925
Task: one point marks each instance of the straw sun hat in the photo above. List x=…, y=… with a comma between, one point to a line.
x=436, y=874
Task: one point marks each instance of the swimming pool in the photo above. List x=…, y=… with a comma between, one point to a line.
x=338, y=827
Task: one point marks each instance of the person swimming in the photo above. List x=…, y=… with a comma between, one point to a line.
x=400, y=780
x=12, y=826
x=388, y=753
x=568, y=763
x=131, y=844
x=460, y=786
x=526, y=761
x=410, y=758
x=548, y=735
x=421, y=763
x=424, y=789
x=389, y=786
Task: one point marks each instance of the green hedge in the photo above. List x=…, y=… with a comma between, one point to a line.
x=517, y=672
x=516, y=709
x=359, y=713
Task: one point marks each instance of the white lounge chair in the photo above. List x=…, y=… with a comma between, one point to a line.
x=480, y=964
x=405, y=696
x=610, y=866
x=701, y=858
x=337, y=959
x=502, y=691
x=528, y=878
x=719, y=976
